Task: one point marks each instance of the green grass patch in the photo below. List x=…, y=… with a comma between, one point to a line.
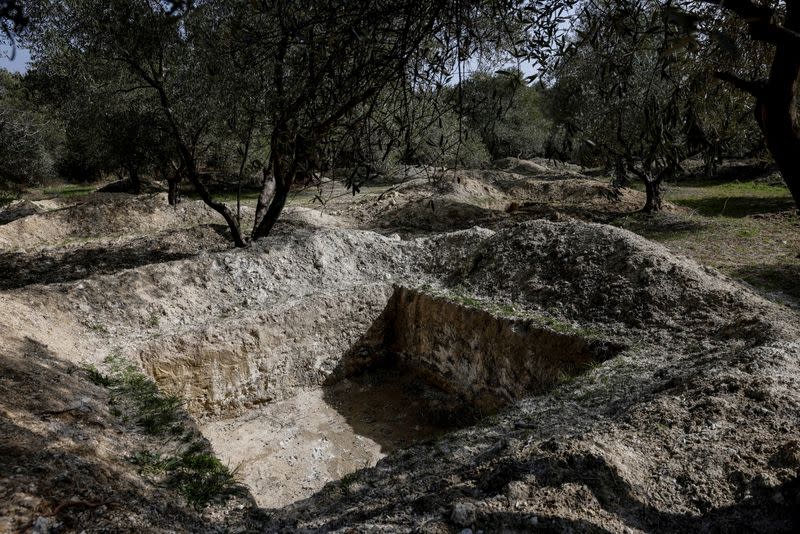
x=98, y=378
x=68, y=190
x=154, y=320
x=745, y=229
x=195, y=473
x=139, y=397
x=732, y=199
x=190, y=467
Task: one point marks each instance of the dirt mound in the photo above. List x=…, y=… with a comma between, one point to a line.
x=648, y=438
x=652, y=436
x=602, y=274
x=312, y=218
x=520, y=166
x=536, y=166
x=17, y=210
x=584, y=193
x=459, y=199
x=439, y=214
x=650, y=442
x=100, y=215
x=458, y=184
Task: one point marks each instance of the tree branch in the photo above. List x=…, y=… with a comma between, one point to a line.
x=754, y=87
x=760, y=21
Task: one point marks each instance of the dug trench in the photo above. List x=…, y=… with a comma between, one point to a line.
x=421, y=365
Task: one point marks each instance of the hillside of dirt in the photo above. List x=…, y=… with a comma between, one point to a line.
x=468, y=350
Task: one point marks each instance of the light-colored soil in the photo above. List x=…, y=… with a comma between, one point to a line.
x=288, y=450
x=693, y=427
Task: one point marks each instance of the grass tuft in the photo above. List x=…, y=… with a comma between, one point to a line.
x=192, y=470
x=96, y=377
x=195, y=473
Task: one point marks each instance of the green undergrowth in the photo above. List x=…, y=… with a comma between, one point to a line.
x=177, y=455
x=67, y=190
x=197, y=474
x=731, y=199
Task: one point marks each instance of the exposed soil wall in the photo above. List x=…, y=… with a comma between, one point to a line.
x=235, y=365
x=485, y=359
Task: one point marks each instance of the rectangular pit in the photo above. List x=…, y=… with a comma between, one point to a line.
x=426, y=366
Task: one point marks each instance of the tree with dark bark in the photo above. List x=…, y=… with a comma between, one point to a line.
x=319, y=68
x=775, y=25
x=623, y=93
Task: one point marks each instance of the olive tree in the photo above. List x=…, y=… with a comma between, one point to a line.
x=29, y=139
x=624, y=93
x=764, y=29
x=307, y=70
x=506, y=112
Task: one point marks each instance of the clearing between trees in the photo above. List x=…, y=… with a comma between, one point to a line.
x=466, y=349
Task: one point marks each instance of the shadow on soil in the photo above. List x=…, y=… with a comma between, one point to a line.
x=418, y=482
x=736, y=206
x=50, y=467
x=771, y=510
x=775, y=277
x=385, y=402
x=393, y=408
x=661, y=225
x=20, y=269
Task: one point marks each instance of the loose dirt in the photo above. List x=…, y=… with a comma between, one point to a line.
x=278, y=351
x=289, y=450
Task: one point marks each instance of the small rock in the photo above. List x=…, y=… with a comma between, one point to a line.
x=788, y=455
x=44, y=525
x=516, y=491
x=463, y=514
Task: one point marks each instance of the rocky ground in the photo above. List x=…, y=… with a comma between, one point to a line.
x=690, y=424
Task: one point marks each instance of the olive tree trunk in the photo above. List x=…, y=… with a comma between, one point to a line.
x=776, y=97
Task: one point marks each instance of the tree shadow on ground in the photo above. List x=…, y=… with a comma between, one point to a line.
x=61, y=454
x=660, y=225
x=730, y=171
x=781, y=277
x=767, y=510
x=761, y=512
x=737, y=206
x=20, y=269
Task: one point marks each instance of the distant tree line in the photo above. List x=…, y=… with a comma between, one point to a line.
x=276, y=93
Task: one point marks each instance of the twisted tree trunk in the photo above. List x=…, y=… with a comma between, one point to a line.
x=776, y=113
x=776, y=97
x=652, y=187
x=284, y=155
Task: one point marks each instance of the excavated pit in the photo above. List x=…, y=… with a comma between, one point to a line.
x=425, y=366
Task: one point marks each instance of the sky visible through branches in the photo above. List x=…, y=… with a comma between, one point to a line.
x=19, y=63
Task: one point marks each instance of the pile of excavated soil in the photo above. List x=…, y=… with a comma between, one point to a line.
x=17, y=210
x=601, y=274
x=461, y=199
x=535, y=167
x=693, y=427
x=65, y=457
x=101, y=215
